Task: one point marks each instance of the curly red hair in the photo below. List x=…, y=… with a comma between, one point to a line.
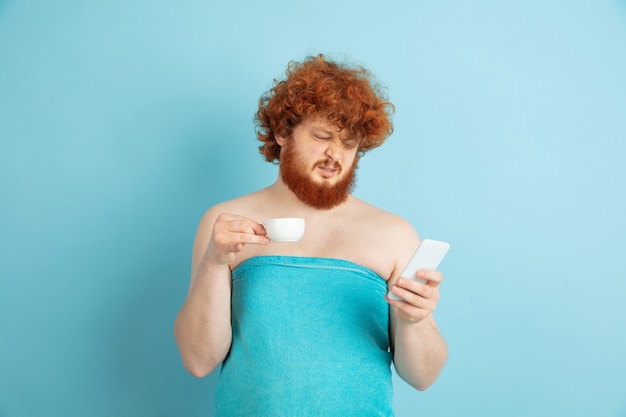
x=347, y=96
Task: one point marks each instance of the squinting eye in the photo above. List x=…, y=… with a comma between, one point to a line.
x=349, y=144
x=323, y=137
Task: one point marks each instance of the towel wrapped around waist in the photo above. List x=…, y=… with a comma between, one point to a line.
x=310, y=338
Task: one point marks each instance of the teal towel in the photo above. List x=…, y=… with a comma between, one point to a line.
x=310, y=338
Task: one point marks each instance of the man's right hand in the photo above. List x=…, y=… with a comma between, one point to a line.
x=230, y=234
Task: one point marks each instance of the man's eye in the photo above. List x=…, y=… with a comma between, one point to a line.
x=322, y=137
x=349, y=144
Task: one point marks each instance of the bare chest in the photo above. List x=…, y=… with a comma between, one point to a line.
x=361, y=245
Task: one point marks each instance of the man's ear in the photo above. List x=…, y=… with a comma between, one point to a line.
x=280, y=140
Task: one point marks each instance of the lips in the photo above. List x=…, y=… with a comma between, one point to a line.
x=328, y=171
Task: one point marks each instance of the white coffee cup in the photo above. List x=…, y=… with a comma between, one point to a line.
x=285, y=229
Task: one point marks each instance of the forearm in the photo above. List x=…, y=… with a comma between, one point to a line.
x=203, y=327
x=420, y=352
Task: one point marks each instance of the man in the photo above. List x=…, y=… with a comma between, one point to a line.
x=307, y=328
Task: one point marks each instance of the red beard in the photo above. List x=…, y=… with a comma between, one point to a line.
x=320, y=196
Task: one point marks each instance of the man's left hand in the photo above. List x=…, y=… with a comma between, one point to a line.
x=418, y=299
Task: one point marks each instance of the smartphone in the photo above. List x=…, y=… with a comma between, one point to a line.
x=428, y=255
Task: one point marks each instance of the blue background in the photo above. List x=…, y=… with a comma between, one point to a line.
x=121, y=122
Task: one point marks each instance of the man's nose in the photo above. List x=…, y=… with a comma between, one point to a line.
x=334, y=150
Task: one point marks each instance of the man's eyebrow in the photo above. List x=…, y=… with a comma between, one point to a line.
x=323, y=129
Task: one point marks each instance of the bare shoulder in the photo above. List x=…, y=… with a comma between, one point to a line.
x=249, y=205
x=386, y=225
x=390, y=238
